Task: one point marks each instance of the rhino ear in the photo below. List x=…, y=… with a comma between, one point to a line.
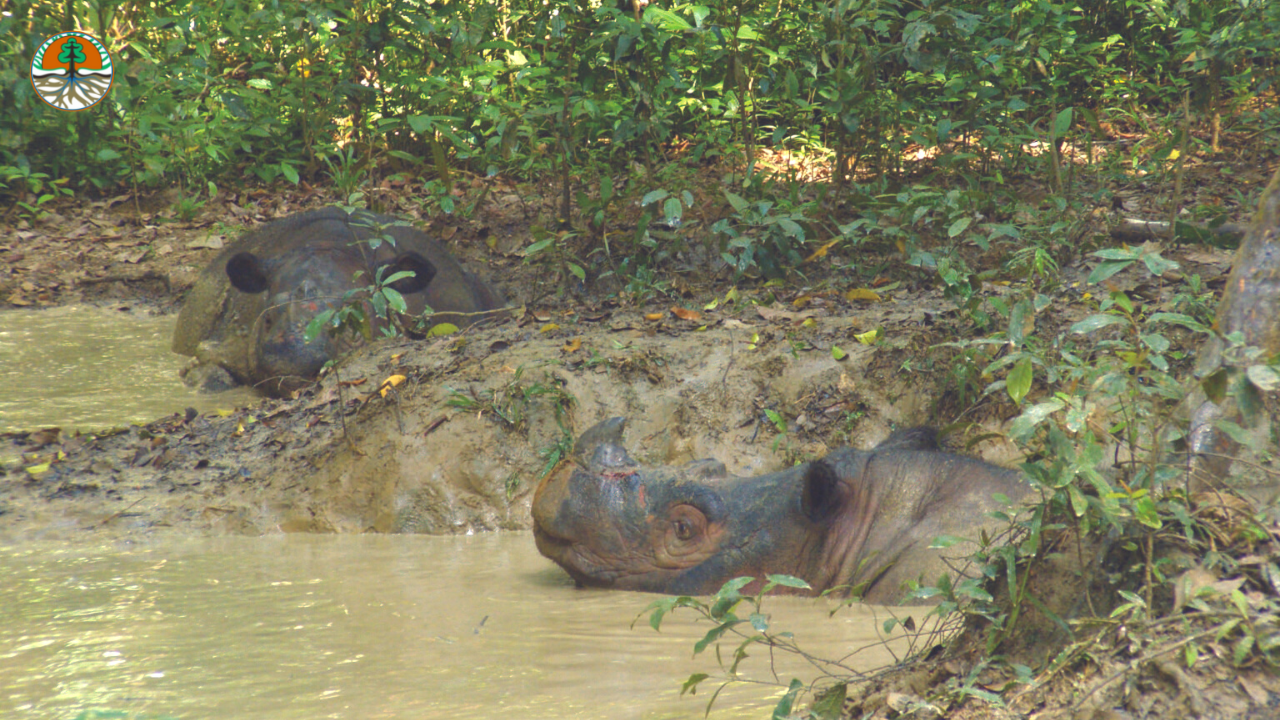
x=423, y=273
x=823, y=495
x=247, y=274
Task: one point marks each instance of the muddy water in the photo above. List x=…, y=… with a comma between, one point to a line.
x=88, y=368
x=357, y=627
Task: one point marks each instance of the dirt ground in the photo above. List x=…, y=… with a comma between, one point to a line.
x=481, y=416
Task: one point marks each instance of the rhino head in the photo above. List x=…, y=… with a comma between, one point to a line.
x=296, y=287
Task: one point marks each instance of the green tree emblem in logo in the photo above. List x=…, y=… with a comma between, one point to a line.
x=72, y=71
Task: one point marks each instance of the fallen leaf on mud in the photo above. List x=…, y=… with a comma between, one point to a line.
x=212, y=242
x=37, y=469
x=442, y=329
x=541, y=316
x=838, y=354
x=431, y=426
x=822, y=251
x=862, y=295
x=548, y=328
x=868, y=337
x=389, y=383
x=573, y=345
x=774, y=314
x=1256, y=693
x=685, y=314
x=498, y=346
x=802, y=301
x=735, y=324
x=352, y=383
x=654, y=316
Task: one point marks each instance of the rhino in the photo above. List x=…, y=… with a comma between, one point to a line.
x=245, y=317
x=856, y=521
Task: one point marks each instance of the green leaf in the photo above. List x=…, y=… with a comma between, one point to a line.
x=830, y=706
x=539, y=246
x=945, y=541
x=289, y=173
x=1185, y=321
x=1264, y=377
x=1241, y=651
x=395, y=300
x=1062, y=123
x=959, y=226
x=673, y=210
x=790, y=581
x=837, y=354
x=1158, y=265
x=442, y=329
x=1079, y=504
x=713, y=635
x=1107, y=269
x=691, y=685
x=1019, y=381
x=653, y=196
x=738, y=203
x=782, y=711
x=1096, y=322
x=577, y=271
x=759, y=622
x=317, y=323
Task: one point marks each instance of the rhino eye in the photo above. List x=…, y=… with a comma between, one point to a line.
x=684, y=531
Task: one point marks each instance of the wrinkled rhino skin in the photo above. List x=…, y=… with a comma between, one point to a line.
x=249, y=308
x=859, y=520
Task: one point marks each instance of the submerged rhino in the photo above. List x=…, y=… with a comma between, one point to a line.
x=856, y=519
x=249, y=309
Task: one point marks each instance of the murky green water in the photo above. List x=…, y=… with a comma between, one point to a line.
x=87, y=368
x=356, y=627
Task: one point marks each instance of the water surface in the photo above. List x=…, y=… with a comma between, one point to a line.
x=371, y=626
x=87, y=368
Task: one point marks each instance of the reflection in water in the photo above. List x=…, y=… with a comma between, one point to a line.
x=357, y=627
x=89, y=368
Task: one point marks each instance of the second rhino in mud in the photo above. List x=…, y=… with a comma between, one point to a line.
x=861, y=520
x=248, y=311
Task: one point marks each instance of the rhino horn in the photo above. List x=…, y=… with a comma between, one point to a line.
x=601, y=444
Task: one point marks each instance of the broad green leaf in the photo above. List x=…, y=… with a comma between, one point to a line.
x=712, y=635
x=790, y=581
x=653, y=196
x=1096, y=322
x=1062, y=123
x=442, y=329
x=1264, y=377
x=672, y=210
x=1019, y=381
x=959, y=226
x=837, y=354
x=738, y=203
x=691, y=685
x=831, y=705
x=1107, y=269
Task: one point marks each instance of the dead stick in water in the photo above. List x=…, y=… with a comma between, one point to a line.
x=118, y=513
